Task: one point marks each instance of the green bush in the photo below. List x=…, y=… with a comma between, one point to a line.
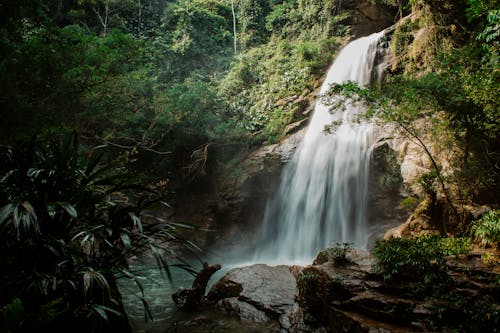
x=410, y=203
x=456, y=246
x=419, y=258
x=338, y=253
x=304, y=279
x=487, y=229
x=413, y=258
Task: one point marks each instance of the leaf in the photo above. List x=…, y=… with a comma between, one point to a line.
x=100, y=311
x=91, y=276
x=136, y=220
x=6, y=212
x=161, y=261
x=24, y=217
x=87, y=281
x=68, y=208
x=125, y=240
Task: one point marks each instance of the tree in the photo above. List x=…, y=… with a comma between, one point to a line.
x=252, y=16
x=104, y=10
x=234, y=27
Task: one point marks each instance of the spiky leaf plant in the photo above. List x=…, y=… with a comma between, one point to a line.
x=67, y=233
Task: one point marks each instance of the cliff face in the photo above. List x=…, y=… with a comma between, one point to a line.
x=367, y=18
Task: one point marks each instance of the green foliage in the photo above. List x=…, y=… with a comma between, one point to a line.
x=252, y=18
x=456, y=246
x=195, y=36
x=305, y=284
x=307, y=19
x=415, y=258
x=259, y=82
x=337, y=254
x=419, y=259
x=457, y=312
x=477, y=9
x=487, y=229
x=41, y=85
x=491, y=32
x=67, y=234
x=423, y=260
x=12, y=316
x=410, y=203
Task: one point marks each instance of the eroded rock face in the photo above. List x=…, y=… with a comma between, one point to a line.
x=368, y=17
x=351, y=298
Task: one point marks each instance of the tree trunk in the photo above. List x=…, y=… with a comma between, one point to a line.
x=234, y=27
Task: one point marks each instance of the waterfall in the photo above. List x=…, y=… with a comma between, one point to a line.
x=322, y=198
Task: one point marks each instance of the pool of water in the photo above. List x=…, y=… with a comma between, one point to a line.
x=166, y=318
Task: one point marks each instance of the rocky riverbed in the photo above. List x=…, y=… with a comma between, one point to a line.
x=328, y=296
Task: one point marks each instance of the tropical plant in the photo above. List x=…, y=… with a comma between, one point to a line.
x=414, y=258
x=68, y=229
x=487, y=229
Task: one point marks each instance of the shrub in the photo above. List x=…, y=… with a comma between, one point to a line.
x=337, y=254
x=455, y=246
x=487, y=229
x=410, y=203
x=418, y=258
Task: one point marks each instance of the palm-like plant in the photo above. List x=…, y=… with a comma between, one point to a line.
x=66, y=237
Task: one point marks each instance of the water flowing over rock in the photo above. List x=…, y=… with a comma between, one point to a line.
x=324, y=188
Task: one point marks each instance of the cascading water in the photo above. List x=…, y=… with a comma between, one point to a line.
x=322, y=198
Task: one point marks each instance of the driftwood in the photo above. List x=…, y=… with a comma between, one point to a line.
x=189, y=299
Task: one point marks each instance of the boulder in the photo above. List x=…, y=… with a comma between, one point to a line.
x=268, y=289
x=347, y=297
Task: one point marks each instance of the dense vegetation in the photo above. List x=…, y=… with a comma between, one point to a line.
x=156, y=83
x=69, y=222
x=423, y=262
x=156, y=77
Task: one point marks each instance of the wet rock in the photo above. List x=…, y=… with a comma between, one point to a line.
x=335, y=298
x=242, y=310
x=261, y=293
x=294, y=127
x=347, y=298
x=268, y=289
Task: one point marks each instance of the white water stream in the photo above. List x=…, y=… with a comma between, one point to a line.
x=322, y=198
